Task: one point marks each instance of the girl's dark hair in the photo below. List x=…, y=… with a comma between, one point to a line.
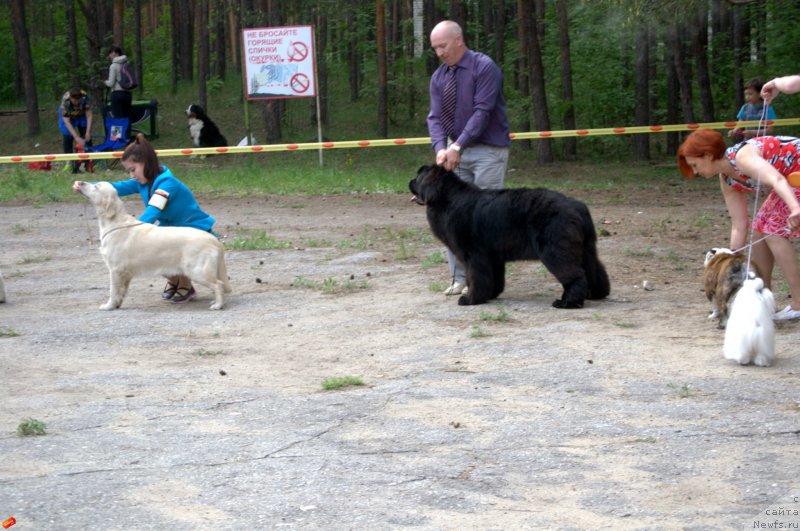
x=116, y=49
x=698, y=144
x=140, y=150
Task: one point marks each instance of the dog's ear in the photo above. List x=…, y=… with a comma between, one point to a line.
x=429, y=184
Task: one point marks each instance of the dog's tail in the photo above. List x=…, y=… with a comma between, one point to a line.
x=222, y=271
x=597, y=283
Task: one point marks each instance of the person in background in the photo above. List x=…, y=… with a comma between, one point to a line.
x=753, y=109
x=467, y=121
x=785, y=84
x=764, y=161
x=75, y=123
x=121, y=99
x=167, y=201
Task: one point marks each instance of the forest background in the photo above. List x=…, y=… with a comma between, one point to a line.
x=568, y=64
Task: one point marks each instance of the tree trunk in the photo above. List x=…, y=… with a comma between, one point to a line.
x=202, y=51
x=322, y=65
x=138, y=44
x=457, y=11
x=272, y=110
x=72, y=36
x=568, y=118
x=699, y=47
x=641, y=142
x=675, y=43
x=524, y=25
x=220, y=64
x=673, y=93
x=175, y=44
x=186, y=53
x=118, y=18
x=541, y=117
x=353, y=62
x=739, y=51
x=408, y=36
x=25, y=63
x=234, y=35
x=383, y=101
x=499, y=32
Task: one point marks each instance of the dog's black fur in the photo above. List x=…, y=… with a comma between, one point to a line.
x=204, y=132
x=487, y=228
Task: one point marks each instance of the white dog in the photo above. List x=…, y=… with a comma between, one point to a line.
x=750, y=334
x=131, y=247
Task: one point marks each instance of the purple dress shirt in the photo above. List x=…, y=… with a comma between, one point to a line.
x=480, y=106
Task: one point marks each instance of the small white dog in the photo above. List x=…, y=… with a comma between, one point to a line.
x=131, y=247
x=750, y=334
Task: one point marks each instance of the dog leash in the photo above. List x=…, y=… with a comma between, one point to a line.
x=106, y=233
x=756, y=192
x=783, y=231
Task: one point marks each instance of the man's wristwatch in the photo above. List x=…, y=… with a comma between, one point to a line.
x=455, y=147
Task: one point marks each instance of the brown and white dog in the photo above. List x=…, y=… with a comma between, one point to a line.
x=723, y=276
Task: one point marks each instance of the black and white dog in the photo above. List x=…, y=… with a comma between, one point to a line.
x=205, y=133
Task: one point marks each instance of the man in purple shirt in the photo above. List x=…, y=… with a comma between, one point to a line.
x=467, y=122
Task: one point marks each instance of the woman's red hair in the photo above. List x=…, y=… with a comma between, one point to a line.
x=699, y=144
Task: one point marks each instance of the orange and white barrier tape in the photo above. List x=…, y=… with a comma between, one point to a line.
x=264, y=148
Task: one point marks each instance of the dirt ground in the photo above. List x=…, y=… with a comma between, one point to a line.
x=510, y=415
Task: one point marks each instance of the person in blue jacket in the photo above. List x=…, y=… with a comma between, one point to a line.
x=167, y=201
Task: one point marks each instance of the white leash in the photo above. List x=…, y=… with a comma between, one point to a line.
x=761, y=124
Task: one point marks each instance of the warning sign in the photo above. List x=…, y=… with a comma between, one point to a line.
x=279, y=62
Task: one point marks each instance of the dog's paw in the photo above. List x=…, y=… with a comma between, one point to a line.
x=565, y=305
x=713, y=315
x=215, y=306
x=108, y=306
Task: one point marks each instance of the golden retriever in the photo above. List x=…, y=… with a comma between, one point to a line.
x=131, y=247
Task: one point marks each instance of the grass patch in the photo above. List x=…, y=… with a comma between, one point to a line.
x=433, y=259
x=438, y=287
x=683, y=391
x=501, y=316
x=203, y=353
x=477, y=332
x=256, y=240
x=30, y=426
x=6, y=331
x=329, y=285
x=34, y=260
x=332, y=384
x=625, y=324
x=362, y=243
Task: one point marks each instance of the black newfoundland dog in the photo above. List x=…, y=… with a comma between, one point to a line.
x=487, y=228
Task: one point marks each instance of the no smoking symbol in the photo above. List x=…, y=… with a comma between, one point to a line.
x=297, y=52
x=300, y=83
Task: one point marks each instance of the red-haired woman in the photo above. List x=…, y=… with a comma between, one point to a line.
x=766, y=160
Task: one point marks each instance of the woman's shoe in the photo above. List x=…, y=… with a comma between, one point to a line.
x=169, y=291
x=183, y=295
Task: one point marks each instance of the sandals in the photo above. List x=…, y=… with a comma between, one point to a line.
x=182, y=295
x=169, y=291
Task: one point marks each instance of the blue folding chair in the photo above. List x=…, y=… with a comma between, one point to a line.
x=116, y=137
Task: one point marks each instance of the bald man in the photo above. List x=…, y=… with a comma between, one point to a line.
x=467, y=120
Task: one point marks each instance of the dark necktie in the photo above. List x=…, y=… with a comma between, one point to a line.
x=448, y=117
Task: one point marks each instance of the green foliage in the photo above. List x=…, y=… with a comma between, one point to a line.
x=31, y=426
x=331, y=384
x=254, y=240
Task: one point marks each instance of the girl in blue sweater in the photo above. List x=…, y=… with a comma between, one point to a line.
x=167, y=201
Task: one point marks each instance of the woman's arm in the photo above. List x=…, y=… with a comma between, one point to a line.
x=751, y=163
x=737, y=204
